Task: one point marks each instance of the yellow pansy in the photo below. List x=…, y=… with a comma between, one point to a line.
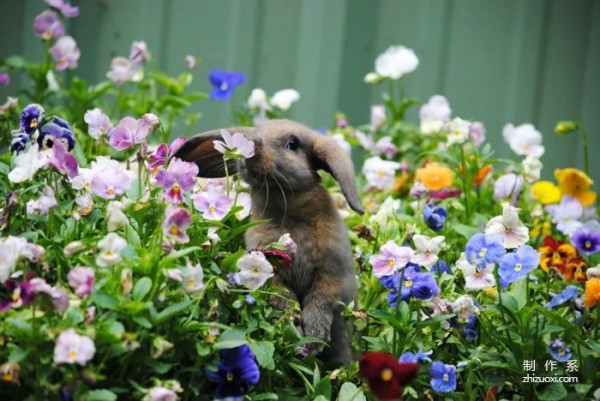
x=577, y=184
x=545, y=192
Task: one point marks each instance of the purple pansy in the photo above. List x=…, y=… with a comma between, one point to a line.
x=177, y=220
x=477, y=133
x=236, y=370
x=138, y=54
x=63, y=161
x=19, y=142
x=81, y=279
x=43, y=204
x=567, y=214
x=164, y=152
x=587, y=238
x=65, y=53
x=65, y=8
x=56, y=130
x=224, y=83
x=414, y=284
x=179, y=177
x=213, y=204
x=390, y=259
x=558, y=350
x=20, y=293
x=112, y=183
x=58, y=296
x=516, y=265
x=98, y=123
x=48, y=26
x=508, y=186
x=128, y=132
x=4, y=79
x=31, y=117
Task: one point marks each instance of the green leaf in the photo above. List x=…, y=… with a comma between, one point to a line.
x=265, y=396
x=142, y=321
x=464, y=230
x=553, y=392
x=230, y=339
x=173, y=256
x=173, y=310
x=263, y=351
x=105, y=300
x=349, y=392
x=510, y=302
x=519, y=291
x=142, y=288
x=100, y=395
x=15, y=62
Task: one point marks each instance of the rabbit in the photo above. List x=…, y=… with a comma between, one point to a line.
x=286, y=190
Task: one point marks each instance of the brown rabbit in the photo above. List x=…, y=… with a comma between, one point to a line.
x=286, y=190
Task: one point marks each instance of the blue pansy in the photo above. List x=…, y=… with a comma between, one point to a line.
x=443, y=377
x=236, y=371
x=517, y=265
x=482, y=249
x=31, y=117
x=441, y=267
x=569, y=293
x=420, y=356
x=434, y=216
x=559, y=351
x=224, y=83
x=19, y=142
x=414, y=284
x=54, y=131
x=471, y=329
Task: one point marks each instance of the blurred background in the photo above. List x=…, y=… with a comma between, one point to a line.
x=497, y=61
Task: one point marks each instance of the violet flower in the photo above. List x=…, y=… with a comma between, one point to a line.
x=31, y=117
x=179, y=177
x=190, y=61
x=213, y=204
x=65, y=8
x=390, y=259
x=138, y=54
x=43, y=204
x=477, y=133
x=587, y=238
x=64, y=162
x=19, y=142
x=508, y=186
x=20, y=293
x=73, y=348
x=434, y=114
x=434, y=216
x=58, y=296
x=55, y=131
x=235, y=146
x=4, y=79
x=517, y=265
x=567, y=214
x=224, y=83
x=98, y=123
x=128, y=132
x=48, y=26
x=66, y=53
x=111, y=183
x=81, y=279
x=177, y=220
x=164, y=152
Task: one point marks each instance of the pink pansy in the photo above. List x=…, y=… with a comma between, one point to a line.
x=213, y=204
x=84, y=203
x=434, y=114
x=427, y=251
x=477, y=133
x=81, y=279
x=164, y=152
x=98, y=123
x=255, y=270
x=65, y=53
x=235, y=145
x=509, y=227
x=138, y=54
x=476, y=278
x=43, y=204
x=73, y=348
x=4, y=79
x=178, y=178
x=48, y=26
x=386, y=147
x=65, y=8
x=58, y=296
x=112, y=183
x=390, y=259
x=130, y=131
x=63, y=161
x=121, y=70
x=177, y=220
x=288, y=243
x=161, y=394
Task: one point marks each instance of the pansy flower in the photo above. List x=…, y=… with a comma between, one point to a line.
x=163, y=153
x=65, y=8
x=587, y=238
x=443, y=377
x=567, y=214
x=176, y=222
x=395, y=62
x=457, y=131
x=434, y=216
x=73, y=348
x=390, y=259
x=434, y=176
x=47, y=25
x=484, y=249
x=19, y=142
x=385, y=375
x=63, y=161
x=284, y=98
x=82, y=279
x=414, y=284
x=179, y=177
x=20, y=293
x=98, y=123
x=128, y=132
x=54, y=131
x=569, y=293
x=65, y=53
x=110, y=248
x=236, y=371
x=508, y=187
x=213, y=204
x=562, y=258
x=379, y=173
x=477, y=277
x=31, y=117
x=513, y=232
x=27, y=164
x=577, y=184
x=545, y=192
x=517, y=265
x=427, y=250
x=477, y=133
x=235, y=146
x=191, y=278
x=524, y=139
x=419, y=356
x=559, y=351
x=434, y=114
x=592, y=292
x=255, y=270
x=224, y=82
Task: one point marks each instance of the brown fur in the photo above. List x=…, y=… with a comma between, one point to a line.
x=286, y=190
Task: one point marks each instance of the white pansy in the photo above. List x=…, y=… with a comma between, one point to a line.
x=457, y=131
x=27, y=164
x=258, y=100
x=524, y=139
x=110, y=248
x=427, y=250
x=379, y=173
x=284, y=98
x=395, y=62
x=532, y=168
x=255, y=270
x=509, y=227
x=476, y=277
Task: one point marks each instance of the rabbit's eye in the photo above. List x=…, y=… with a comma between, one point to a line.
x=293, y=143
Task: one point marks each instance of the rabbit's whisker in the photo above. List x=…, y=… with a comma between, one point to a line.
x=284, y=199
x=288, y=183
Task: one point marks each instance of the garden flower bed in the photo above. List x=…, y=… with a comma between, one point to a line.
x=124, y=276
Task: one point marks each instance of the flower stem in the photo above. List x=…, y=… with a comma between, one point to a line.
x=464, y=181
x=586, y=155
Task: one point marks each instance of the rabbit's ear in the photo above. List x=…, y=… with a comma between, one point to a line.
x=332, y=158
x=200, y=149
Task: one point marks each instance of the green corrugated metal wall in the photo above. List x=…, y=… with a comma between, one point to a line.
x=497, y=61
